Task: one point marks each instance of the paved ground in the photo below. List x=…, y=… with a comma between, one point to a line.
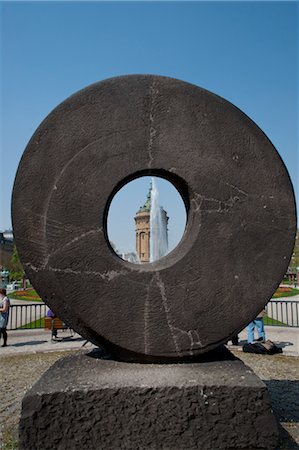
x=35, y=341
x=285, y=337
x=39, y=341
x=18, y=373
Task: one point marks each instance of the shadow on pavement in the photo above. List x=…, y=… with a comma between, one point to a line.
x=67, y=339
x=283, y=344
x=284, y=395
x=22, y=344
x=284, y=399
x=286, y=441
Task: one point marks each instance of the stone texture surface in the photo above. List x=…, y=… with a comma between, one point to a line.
x=239, y=234
x=18, y=373
x=85, y=402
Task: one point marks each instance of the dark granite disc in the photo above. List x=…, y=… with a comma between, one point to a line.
x=241, y=216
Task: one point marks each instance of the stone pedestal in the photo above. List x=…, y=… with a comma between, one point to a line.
x=84, y=402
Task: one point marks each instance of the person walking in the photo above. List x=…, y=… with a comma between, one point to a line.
x=4, y=314
x=258, y=322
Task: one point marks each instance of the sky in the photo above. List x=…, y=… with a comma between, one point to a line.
x=246, y=52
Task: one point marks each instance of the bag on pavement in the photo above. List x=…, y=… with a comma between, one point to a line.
x=266, y=348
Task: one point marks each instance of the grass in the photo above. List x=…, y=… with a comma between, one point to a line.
x=270, y=321
x=9, y=442
x=30, y=295
x=285, y=292
x=39, y=323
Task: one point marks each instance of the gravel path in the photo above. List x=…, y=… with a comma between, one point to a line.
x=19, y=372
x=280, y=373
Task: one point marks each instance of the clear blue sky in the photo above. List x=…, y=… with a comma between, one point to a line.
x=246, y=52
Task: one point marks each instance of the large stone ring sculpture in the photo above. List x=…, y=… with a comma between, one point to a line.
x=240, y=207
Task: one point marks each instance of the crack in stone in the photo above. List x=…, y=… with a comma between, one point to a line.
x=195, y=341
x=57, y=178
x=32, y=267
x=152, y=131
x=50, y=222
x=237, y=189
x=107, y=276
x=212, y=205
x=72, y=241
x=196, y=202
x=193, y=336
x=161, y=287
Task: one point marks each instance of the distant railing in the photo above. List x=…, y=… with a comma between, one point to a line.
x=29, y=316
x=282, y=313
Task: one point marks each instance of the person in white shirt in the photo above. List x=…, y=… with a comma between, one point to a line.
x=4, y=314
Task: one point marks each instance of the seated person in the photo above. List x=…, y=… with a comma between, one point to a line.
x=52, y=315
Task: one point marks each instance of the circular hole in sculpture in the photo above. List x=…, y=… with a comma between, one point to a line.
x=146, y=220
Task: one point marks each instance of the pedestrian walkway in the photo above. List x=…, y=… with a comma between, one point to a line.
x=285, y=337
x=35, y=341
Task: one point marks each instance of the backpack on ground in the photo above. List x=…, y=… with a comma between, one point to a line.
x=266, y=348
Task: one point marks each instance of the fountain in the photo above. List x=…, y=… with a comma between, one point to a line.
x=158, y=226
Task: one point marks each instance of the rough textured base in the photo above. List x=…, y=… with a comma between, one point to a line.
x=83, y=402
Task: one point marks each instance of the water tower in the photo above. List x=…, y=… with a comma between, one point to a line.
x=143, y=229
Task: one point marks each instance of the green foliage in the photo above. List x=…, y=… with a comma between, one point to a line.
x=39, y=323
x=294, y=263
x=270, y=321
x=15, y=256
x=30, y=295
x=14, y=266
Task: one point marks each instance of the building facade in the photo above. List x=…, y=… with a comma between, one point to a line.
x=143, y=230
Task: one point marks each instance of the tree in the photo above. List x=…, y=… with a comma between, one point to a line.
x=294, y=263
x=14, y=266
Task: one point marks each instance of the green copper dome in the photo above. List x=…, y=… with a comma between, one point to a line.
x=147, y=205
